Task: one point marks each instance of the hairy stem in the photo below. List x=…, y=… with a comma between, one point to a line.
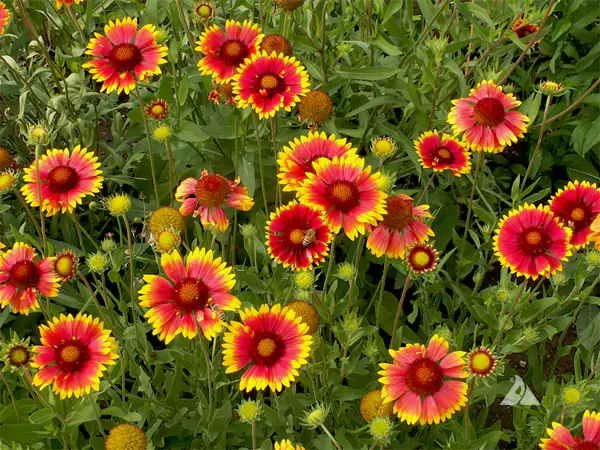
x=400, y=305
x=149, y=139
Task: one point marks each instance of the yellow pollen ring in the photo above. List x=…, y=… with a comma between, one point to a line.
x=297, y=236
x=481, y=362
x=342, y=192
x=577, y=214
x=533, y=237
x=268, y=82
x=421, y=258
x=70, y=354
x=425, y=375
x=188, y=293
x=266, y=347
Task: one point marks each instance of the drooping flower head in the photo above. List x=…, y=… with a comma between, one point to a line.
x=595, y=235
x=190, y=296
x=225, y=51
x=268, y=83
x=401, y=228
x=482, y=362
x=126, y=437
x=422, y=258
x=69, y=3
x=523, y=29
x=346, y=192
x=207, y=195
x=23, y=279
x=419, y=382
x=531, y=242
x=74, y=354
x=297, y=236
x=64, y=265
x=443, y=153
x=66, y=178
x=125, y=55
x=157, y=109
x=286, y=444
x=487, y=118
x=4, y=17
x=577, y=205
x=316, y=107
x=562, y=439
x=295, y=161
x=276, y=43
x=372, y=406
x=273, y=341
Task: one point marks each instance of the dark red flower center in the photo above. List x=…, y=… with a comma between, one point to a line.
x=269, y=84
x=233, y=52
x=579, y=216
x=212, y=190
x=582, y=444
x=443, y=155
x=399, y=213
x=25, y=274
x=70, y=356
x=125, y=57
x=424, y=376
x=343, y=195
x=191, y=294
x=267, y=348
x=534, y=241
x=525, y=30
x=489, y=112
x=306, y=165
x=62, y=179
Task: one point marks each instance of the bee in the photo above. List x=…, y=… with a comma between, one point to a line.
x=309, y=237
x=218, y=312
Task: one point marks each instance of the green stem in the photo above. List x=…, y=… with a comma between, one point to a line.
x=386, y=266
x=78, y=229
x=278, y=194
x=470, y=209
x=209, y=374
x=38, y=149
x=132, y=291
x=147, y=128
x=186, y=28
x=254, y=435
x=359, y=249
x=435, y=93
x=510, y=313
x=76, y=22
x=537, y=145
x=260, y=165
x=28, y=210
x=12, y=397
x=331, y=438
x=96, y=415
x=399, y=310
x=172, y=173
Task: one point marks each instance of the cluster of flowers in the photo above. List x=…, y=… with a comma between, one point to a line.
x=336, y=191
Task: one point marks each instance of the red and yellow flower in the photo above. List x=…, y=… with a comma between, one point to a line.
x=23, y=279
x=482, y=362
x=69, y=3
x=595, y=235
x=486, y=118
x=346, y=192
x=73, y=356
x=295, y=161
x=4, y=17
x=269, y=83
x=422, y=258
x=577, y=205
x=443, y=153
x=190, y=296
x=225, y=51
x=523, y=29
x=207, y=195
x=66, y=178
x=418, y=381
x=64, y=265
x=531, y=242
x=125, y=55
x=157, y=109
x=273, y=341
x=562, y=439
x=401, y=228
x=297, y=236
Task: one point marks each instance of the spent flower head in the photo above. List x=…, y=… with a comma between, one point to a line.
x=126, y=436
x=162, y=133
x=16, y=354
x=108, y=245
x=346, y=271
x=247, y=230
x=304, y=279
x=572, y=396
x=97, y=262
x=381, y=428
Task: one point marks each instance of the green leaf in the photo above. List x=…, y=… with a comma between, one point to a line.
x=191, y=132
x=368, y=73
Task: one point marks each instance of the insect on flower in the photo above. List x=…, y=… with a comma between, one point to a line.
x=310, y=236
